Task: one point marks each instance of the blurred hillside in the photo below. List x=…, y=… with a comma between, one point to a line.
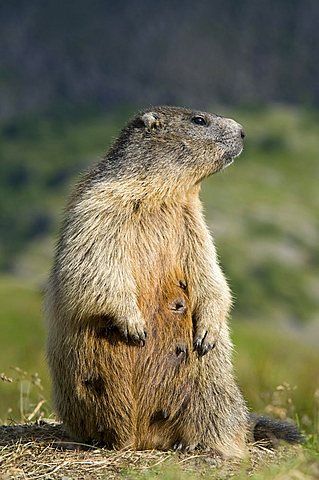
x=106, y=54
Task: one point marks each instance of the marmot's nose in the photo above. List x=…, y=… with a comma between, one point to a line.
x=231, y=125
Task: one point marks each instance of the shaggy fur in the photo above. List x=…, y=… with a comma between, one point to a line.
x=136, y=297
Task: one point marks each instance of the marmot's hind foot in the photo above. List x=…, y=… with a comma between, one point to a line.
x=181, y=446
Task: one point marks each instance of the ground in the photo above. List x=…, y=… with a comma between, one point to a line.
x=41, y=450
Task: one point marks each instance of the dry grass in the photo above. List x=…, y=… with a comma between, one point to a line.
x=42, y=450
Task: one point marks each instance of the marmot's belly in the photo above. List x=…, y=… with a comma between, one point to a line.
x=135, y=395
x=164, y=374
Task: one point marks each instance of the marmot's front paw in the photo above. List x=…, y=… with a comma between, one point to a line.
x=205, y=338
x=134, y=330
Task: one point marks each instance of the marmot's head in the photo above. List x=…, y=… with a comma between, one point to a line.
x=173, y=146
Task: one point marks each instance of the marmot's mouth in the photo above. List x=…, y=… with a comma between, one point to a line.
x=228, y=161
x=229, y=158
x=238, y=153
x=231, y=151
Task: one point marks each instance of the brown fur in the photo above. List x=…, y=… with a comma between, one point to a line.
x=135, y=256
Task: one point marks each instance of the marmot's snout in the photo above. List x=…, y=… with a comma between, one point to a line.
x=231, y=127
x=232, y=136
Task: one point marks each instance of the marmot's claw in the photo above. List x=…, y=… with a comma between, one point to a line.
x=125, y=335
x=139, y=338
x=136, y=335
x=143, y=338
x=183, y=447
x=178, y=447
x=202, y=348
x=203, y=343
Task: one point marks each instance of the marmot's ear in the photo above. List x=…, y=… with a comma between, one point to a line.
x=150, y=120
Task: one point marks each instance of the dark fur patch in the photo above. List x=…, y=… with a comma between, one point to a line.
x=95, y=383
x=159, y=416
x=178, y=306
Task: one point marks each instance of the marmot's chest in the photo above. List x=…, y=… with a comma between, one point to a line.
x=163, y=247
x=161, y=244
x=167, y=307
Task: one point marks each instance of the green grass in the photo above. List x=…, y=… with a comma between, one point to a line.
x=302, y=466
x=278, y=374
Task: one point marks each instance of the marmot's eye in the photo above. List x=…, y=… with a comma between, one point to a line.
x=199, y=121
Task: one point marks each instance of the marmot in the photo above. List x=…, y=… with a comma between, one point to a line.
x=136, y=298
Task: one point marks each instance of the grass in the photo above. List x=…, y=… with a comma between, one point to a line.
x=274, y=367
x=22, y=335
x=43, y=451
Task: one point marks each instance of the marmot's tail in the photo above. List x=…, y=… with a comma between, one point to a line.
x=271, y=432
